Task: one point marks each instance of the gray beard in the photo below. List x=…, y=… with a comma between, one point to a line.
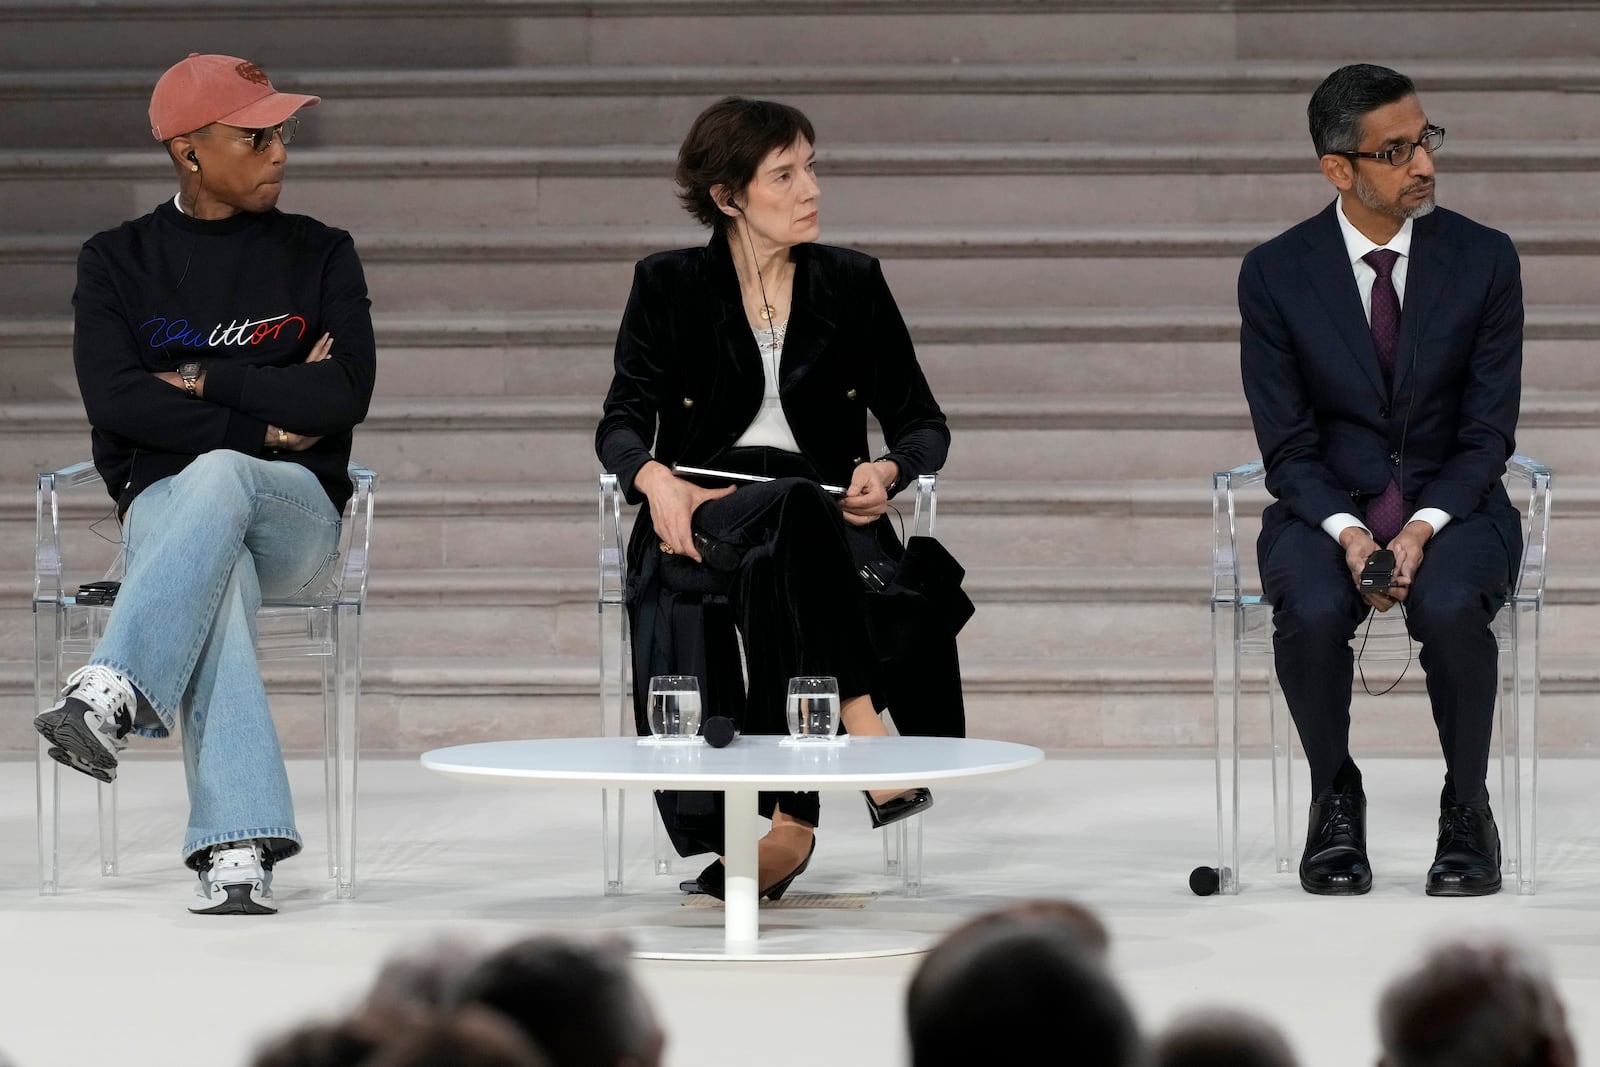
x=1369, y=198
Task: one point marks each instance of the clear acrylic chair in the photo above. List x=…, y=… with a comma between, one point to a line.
x=902, y=841
x=326, y=624
x=1241, y=648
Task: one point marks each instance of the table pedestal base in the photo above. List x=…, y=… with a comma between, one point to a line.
x=812, y=943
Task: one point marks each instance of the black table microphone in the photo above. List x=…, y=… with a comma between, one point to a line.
x=1204, y=881
x=719, y=731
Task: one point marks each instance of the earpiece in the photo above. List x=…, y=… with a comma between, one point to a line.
x=734, y=204
x=192, y=159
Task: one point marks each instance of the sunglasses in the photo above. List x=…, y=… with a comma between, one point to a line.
x=283, y=131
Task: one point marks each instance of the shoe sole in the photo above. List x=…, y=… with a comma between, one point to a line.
x=1462, y=891
x=74, y=745
x=1325, y=891
x=239, y=902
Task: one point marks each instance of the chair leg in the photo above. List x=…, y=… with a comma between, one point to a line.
x=612, y=810
x=1282, y=774
x=106, y=802
x=330, y=762
x=660, y=844
x=1225, y=658
x=48, y=774
x=1524, y=713
x=910, y=847
x=894, y=848
x=347, y=740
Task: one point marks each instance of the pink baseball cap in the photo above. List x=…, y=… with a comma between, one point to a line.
x=201, y=90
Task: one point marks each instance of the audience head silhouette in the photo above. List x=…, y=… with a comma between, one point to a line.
x=578, y=1001
x=1221, y=1037
x=1480, y=1003
x=1028, y=981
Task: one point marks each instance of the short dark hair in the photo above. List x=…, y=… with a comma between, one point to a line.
x=1026, y=984
x=472, y=1037
x=1221, y=1037
x=578, y=1001
x=725, y=146
x=1478, y=1003
x=1345, y=97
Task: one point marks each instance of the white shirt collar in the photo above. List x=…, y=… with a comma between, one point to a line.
x=1357, y=244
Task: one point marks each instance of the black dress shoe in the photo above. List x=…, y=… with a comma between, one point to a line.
x=713, y=881
x=1335, y=860
x=1467, y=863
x=901, y=807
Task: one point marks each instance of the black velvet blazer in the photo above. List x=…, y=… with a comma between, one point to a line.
x=689, y=380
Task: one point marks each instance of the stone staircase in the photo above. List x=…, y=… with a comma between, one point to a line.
x=1060, y=192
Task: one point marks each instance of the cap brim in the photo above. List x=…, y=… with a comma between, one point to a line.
x=269, y=110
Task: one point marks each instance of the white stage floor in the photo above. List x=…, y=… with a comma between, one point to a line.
x=159, y=986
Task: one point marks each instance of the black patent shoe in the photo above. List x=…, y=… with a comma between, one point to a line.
x=1335, y=861
x=901, y=807
x=777, y=889
x=713, y=881
x=1467, y=863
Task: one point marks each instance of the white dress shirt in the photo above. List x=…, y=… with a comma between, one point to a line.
x=1357, y=245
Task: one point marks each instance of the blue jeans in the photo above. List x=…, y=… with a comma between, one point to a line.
x=202, y=549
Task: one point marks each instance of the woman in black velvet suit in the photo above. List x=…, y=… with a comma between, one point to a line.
x=763, y=352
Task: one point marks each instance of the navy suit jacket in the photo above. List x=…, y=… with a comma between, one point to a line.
x=1330, y=433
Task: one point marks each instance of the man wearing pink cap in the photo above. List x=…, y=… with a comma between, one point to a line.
x=224, y=352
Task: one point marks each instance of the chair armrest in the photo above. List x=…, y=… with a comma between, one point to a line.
x=358, y=544
x=1526, y=475
x=923, y=512
x=612, y=561
x=47, y=557
x=1225, y=586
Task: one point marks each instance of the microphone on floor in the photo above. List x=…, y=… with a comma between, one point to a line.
x=719, y=731
x=1204, y=881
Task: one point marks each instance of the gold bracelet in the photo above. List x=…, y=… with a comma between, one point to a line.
x=283, y=438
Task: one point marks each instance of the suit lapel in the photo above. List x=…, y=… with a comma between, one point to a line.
x=1327, y=264
x=809, y=331
x=736, y=351
x=1431, y=256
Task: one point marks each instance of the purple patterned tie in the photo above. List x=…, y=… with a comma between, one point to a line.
x=1385, y=512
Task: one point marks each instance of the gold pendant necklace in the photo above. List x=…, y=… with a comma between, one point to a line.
x=766, y=313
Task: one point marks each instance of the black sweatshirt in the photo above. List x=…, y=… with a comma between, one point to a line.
x=247, y=296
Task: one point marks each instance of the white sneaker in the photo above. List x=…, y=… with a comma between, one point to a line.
x=236, y=880
x=89, y=725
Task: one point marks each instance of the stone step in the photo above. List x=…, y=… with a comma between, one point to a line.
x=1037, y=351
x=591, y=267
x=438, y=188
x=1135, y=702
x=1513, y=99
x=350, y=33
x=1050, y=439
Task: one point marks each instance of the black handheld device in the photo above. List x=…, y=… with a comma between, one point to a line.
x=1378, y=574
x=98, y=592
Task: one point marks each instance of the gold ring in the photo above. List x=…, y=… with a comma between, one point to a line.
x=666, y=548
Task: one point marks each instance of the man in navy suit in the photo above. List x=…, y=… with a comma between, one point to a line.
x=1381, y=352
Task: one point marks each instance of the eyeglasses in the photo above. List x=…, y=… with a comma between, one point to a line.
x=260, y=139
x=1397, y=156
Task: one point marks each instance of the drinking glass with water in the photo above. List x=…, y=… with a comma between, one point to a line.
x=675, y=707
x=813, y=709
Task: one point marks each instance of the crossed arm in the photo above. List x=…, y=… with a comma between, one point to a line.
x=244, y=408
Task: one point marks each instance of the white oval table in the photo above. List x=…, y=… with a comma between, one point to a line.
x=741, y=771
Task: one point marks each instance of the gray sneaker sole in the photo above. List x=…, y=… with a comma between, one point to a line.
x=74, y=744
x=239, y=902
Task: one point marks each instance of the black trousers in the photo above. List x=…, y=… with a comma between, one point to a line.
x=799, y=605
x=1462, y=583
